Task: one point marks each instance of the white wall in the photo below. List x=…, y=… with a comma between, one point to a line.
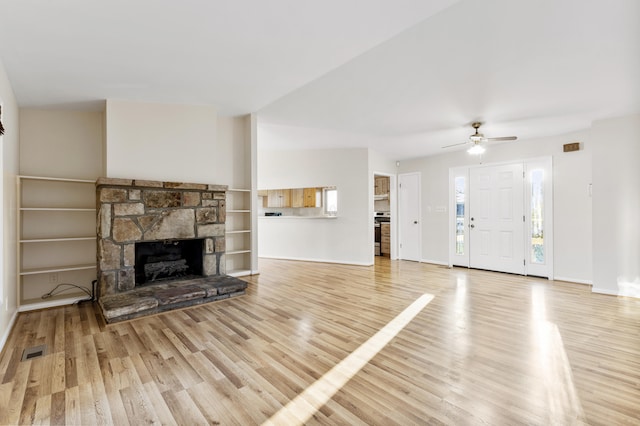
x=616, y=206
x=345, y=239
x=61, y=143
x=9, y=160
x=181, y=143
x=572, y=203
x=233, y=145
x=378, y=163
x=172, y=142
x=161, y=142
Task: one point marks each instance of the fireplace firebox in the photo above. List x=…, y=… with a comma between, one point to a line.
x=168, y=260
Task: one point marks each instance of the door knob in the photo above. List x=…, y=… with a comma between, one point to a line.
x=415, y=222
x=471, y=218
x=472, y=226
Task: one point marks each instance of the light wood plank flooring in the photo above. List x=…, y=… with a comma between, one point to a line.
x=489, y=348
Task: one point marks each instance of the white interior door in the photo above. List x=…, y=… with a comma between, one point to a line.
x=409, y=227
x=496, y=218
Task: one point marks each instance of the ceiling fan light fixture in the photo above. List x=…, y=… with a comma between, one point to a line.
x=476, y=150
x=478, y=138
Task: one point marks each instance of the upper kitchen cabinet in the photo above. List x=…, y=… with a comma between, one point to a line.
x=381, y=185
x=312, y=197
x=279, y=198
x=297, y=197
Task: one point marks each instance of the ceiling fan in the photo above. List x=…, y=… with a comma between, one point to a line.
x=477, y=138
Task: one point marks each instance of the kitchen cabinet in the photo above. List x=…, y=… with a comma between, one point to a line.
x=381, y=185
x=311, y=198
x=279, y=198
x=385, y=239
x=285, y=197
x=298, y=198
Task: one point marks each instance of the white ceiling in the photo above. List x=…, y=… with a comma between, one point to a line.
x=406, y=76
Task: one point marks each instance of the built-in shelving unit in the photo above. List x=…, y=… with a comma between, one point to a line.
x=238, y=232
x=56, y=240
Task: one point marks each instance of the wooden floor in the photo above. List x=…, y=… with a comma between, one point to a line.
x=488, y=348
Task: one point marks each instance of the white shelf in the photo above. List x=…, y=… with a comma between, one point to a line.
x=54, y=179
x=238, y=252
x=240, y=272
x=51, y=269
x=55, y=209
x=55, y=240
x=48, y=224
x=238, y=233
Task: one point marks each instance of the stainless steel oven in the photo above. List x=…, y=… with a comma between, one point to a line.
x=378, y=218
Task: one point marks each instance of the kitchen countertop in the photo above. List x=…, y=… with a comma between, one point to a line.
x=297, y=217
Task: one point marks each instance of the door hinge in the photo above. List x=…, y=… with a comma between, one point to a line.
x=524, y=262
x=523, y=219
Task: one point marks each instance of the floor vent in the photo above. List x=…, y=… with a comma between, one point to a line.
x=34, y=352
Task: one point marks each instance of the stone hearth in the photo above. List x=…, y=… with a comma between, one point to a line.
x=175, y=294
x=131, y=212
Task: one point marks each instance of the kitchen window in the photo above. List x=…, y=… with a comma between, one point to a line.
x=330, y=195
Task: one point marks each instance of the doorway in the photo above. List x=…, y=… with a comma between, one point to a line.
x=382, y=198
x=501, y=217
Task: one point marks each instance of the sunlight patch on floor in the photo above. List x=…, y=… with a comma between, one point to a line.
x=300, y=409
x=563, y=404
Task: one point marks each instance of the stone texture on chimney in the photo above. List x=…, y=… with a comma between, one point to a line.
x=131, y=210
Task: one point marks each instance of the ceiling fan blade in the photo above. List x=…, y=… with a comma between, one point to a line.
x=504, y=138
x=454, y=144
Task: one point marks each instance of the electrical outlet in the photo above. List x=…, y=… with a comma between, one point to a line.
x=53, y=277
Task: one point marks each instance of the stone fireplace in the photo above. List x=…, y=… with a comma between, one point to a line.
x=160, y=246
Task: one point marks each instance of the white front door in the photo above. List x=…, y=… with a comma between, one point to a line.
x=409, y=227
x=496, y=218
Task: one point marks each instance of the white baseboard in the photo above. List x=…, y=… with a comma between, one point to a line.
x=604, y=291
x=7, y=332
x=302, y=259
x=621, y=292
x=573, y=280
x=435, y=262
